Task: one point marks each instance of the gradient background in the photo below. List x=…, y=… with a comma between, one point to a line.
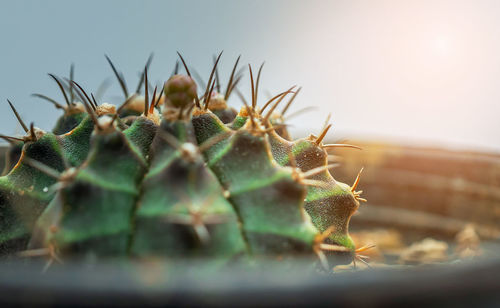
x=410, y=71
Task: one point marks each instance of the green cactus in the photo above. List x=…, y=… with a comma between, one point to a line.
x=92, y=211
x=13, y=154
x=24, y=190
x=172, y=176
x=182, y=210
x=331, y=203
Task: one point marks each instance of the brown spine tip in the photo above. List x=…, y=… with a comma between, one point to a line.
x=323, y=134
x=18, y=117
x=120, y=78
x=230, y=83
x=356, y=181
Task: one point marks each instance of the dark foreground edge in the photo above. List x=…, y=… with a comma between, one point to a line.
x=469, y=284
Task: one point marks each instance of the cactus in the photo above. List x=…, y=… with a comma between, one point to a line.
x=182, y=210
x=24, y=190
x=173, y=175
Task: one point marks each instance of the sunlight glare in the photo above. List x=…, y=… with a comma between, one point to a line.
x=441, y=45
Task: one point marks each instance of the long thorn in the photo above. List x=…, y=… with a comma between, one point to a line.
x=356, y=181
x=71, y=78
x=213, y=140
x=340, y=145
x=363, y=261
x=317, y=170
x=276, y=126
x=233, y=85
x=205, y=96
x=290, y=101
x=86, y=104
x=32, y=132
x=322, y=259
x=257, y=83
x=327, y=120
x=115, y=116
x=176, y=69
x=198, y=78
x=253, y=87
x=153, y=99
x=181, y=110
x=53, y=101
x=94, y=101
x=217, y=80
x=365, y=248
x=315, y=183
x=276, y=105
x=42, y=167
x=141, y=80
x=300, y=112
x=273, y=98
x=18, y=116
x=159, y=96
x=86, y=98
x=9, y=138
x=146, y=92
x=120, y=78
x=331, y=247
x=240, y=95
x=323, y=134
x=231, y=78
x=47, y=265
x=207, y=100
x=250, y=114
x=188, y=111
x=197, y=100
x=40, y=252
x=103, y=87
x=325, y=234
x=202, y=233
x=292, y=160
x=61, y=88
x=169, y=138
x=184, y=63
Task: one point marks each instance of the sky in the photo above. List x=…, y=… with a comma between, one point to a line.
x=423, y=72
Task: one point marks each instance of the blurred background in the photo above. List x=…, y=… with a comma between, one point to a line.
x=407, y=71
x=415, y=83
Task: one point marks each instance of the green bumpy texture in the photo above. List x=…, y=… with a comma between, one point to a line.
x=178, y=189
x=92, y=214
x=179, y=182
x=266, y=198
x=24, y=191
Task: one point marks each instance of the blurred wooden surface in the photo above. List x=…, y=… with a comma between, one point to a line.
x=433, y=190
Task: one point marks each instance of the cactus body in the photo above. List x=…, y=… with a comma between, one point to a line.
x=331, y=204
x=173, y=177
x=92, y=212
x=12, y=156
x=266, y=197
x=24, y=191
x=182, y=211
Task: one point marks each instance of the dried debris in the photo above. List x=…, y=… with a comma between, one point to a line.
x=425, y=252
x=468, y=243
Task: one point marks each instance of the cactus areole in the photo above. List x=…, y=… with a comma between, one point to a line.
x=173, y=172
